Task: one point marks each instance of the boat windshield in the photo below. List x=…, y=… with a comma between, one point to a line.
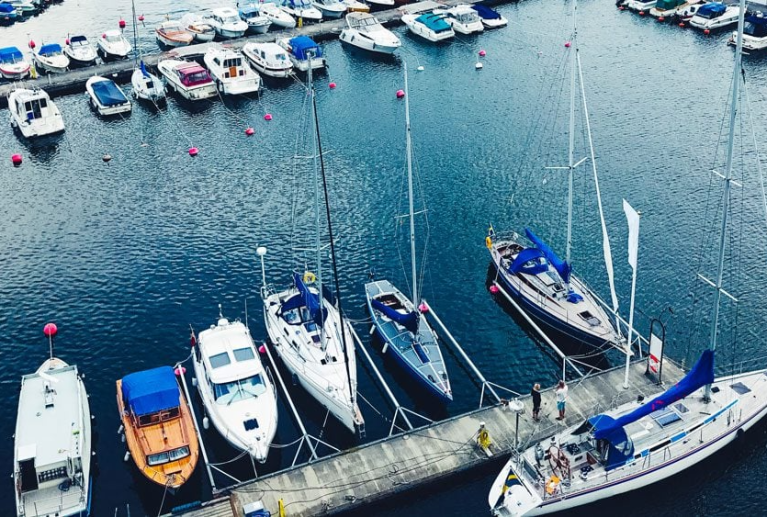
x=33, y=109
x=195, y=78
x=301, y=4
x=467, y=17
x=168, y=456
x=241, y=389
x=114, y=38
x=367, y=21
x=78, y=42
x=757, y=30
x=229, y=19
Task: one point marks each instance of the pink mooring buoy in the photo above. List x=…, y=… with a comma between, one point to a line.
x=32, y=44
x=50, y=329
x=400, y=94
x=262, y=349
x=121, y=23
x=423, y=308
x=141, y=17
x=16, y=159
x=482, y=53
x=567, y=44
x=179, y=371
x=193, y=151
x=250, y=131
x=268, y=116
x=332, y=86
x=66, y=41
x=494, y=289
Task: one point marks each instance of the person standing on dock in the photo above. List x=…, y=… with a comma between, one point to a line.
x=535, y=393
x=561, y=393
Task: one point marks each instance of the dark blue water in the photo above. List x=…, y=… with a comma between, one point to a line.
x=125, y=256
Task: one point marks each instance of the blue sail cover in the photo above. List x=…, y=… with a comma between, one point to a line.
x=520, y=264
x=408, y=320
x=301, y=44
x=108, y=93
x=620, y=448
x=700, y=375
x=310, y=300
x=562, y=267
x=143, y=71
x=10, y=55
x=712, y=10
x=151, y=391
x=485, y=12
x=50, y=49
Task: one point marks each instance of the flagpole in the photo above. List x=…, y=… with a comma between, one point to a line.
x=633, y=220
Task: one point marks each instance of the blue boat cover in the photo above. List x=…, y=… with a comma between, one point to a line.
x=151, y=391
x=10, y=55
x=50, y=49
x=143, y=71
x=756, y=26
x=108, y=93
x=485, y=12
x=520, y=264
x=307, y=299
x=7, y=8
x=562, y=267
x=77, y=39
x=435, y=22
x=700, y=375
x=712, y=9
x=301, y=44
x=408, y=320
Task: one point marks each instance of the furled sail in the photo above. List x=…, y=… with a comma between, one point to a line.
x=562, y=267
x=311, y=301
x=408, y=320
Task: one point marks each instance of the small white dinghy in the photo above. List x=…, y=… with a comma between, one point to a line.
x=236, y=390
x=113, y=45
x=147, y=86
x=268, y=59
x=33, y=113
x=302, y=9
x=50, y=58
x=231, y=73
x=364, y=31
x=198, y=27
x=106, y=97
x=52, y=449
x=80, y=51
x=279, y=18
x=430, y=26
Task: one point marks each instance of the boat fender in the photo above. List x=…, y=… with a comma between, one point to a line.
x=309, y=277
x=194, y=381
x=385, y=348
x=127, y=456
x=206, y=423
x=372, y=329
x=120, y=429
x=122, y=438
x=740, y=433
x=489, y=242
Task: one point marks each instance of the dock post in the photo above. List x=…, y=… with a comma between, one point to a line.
x=196, y=426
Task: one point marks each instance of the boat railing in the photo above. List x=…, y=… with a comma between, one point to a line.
x=56, y=504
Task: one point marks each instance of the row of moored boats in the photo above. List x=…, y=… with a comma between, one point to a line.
x=12, y=11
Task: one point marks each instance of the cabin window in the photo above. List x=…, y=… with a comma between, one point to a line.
x=50, y=475
x=219, y=360
x=589, y=318
x=217, y=61
x=244, y=354
x=242, y=389
x=161, y=416
x=167, y=456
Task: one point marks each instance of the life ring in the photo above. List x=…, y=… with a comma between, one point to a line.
x=309, y=277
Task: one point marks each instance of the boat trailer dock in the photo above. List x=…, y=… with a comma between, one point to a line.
x=349, y=479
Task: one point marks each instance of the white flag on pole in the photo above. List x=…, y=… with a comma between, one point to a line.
x=633, y=220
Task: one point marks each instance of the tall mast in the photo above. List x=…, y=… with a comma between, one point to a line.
x=317, y=227
x=571, y=151
x=727, y=181
x=410, y=193
x=135, y=33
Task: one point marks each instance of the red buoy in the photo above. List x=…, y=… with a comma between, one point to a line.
x=16, y=159
x=50, y=329
x=104, y=35
x=250, y=131
x=141, y=17
x=622, y=8
x=32, y=44
x=482, y=53
x=400, y=94
x=661, y=19
x=268, y=116
x=494, y=289
x=193, y=151
x=681, y=24
x=423, y=308
x=262, y=349
x=706, y=32
x=122, y=23
x=66, y=41
x=332, y=86
x=179, y=371
x=567, y=44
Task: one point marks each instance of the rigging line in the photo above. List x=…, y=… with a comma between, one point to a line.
x=164, y=493
x=285, y=445
x=756, y=147
x=243, y=453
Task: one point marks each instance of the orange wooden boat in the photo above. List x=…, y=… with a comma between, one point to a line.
x=158, y=426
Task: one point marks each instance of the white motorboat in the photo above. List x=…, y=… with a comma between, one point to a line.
x=238, y=394
x=258, y=23
x=330, y=8
x=640, y=5
x=23, y=7
x=13, y=66
x=381, y=3
x=188, y=79
x=715, y=15
x=172, y=33
x=52, y=449
x=303, y=52
x=754, y=33
x=269, y=59
x=463, y=19
x=147, y=86
x=685, y=12
x=231, y=73
x=355, y=6
x=50, y=58
x=106, y=97
x=33, y=113
x=279, y=18
x=302, y=9
x=429, y=26
x=197, y=25
x=365, y=32
x=80, y=51
x=113, y=45
x=667, y=8
x=227, y=23
x=491, y=18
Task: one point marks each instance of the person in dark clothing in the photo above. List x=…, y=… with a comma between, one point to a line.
x=536, y=394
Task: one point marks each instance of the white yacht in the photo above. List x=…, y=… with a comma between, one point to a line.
x=147, y=86
x=364, y=31
x=106, y=97
x=303, y=52
x=33, y=113
x=279, y=18
x=231, y=73
x=227, y=23
x=754, y=33
x=50, y=58
x=269, y=59
x=13, y=66
x=197, y=25
x=52, y=450
x=715, y=15
x=113, y=45
x=238, y=393
x=429, y=26
x=80, y=51
x=463, y=19
x=302, y=9
x=330, y=8
x=188, y=79
x=258, y=23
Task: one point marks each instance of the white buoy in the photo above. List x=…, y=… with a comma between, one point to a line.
x=194, y=381
x=127, y=456
x=122, y=438
x=120, y=429
x=206, y=423
x=372, y=329
x=420, y=68
x=478, y=66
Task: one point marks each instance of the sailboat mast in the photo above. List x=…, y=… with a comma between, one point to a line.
x=135, y=33
x=317, y=226
x=727, y=180
x=410, y=193
x=571, y=151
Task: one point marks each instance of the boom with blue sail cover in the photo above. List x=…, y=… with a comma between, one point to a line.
x=562, y=267
x=408, y=320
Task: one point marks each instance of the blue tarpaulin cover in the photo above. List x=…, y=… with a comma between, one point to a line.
x=50, y=49
x=151, y=391
x=10, y=55
x=485, y=12
x=434, y=22
x=108, y=93
x=300, y=44
x=408, y=320
x=714, y=9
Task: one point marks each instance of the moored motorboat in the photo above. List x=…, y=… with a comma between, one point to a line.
x=684, y=13
x=236, y=390
x=429, y=26
x=198, y=27
x=301, y=9
x=754, y=33
x=33, y=113
x=80, y=51
x=382, y=4
x=355, y=6
x=364, y=31
x=303, y=52
x=113, y=45
x=50, y=58
x=279, y=18
x=227, y=23
x=715, y=15
x=491, y=18
x=463, y=19
x=640, y=5
x=231, y=73
x=330, y=8
x=158, y=426
x=257, y=23
x=106, y=97
x=268, y=59
x=8, y=14
x=172, y=33
x=12, y=64
x=666, y=9
x=188, y=79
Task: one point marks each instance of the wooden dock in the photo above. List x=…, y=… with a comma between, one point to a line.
x=365, y=474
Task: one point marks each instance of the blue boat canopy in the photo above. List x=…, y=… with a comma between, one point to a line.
x=77, y=39
x=408, y=320
x=108, y=93
x=50, y=49
x=151, y=391
x=10, y=55
x=485, y=12
x=306, y=298
x=522, y=264
x=301, y=44
x=6, y=8
x=712, y=9
x=435, y=22
x=756, y=26
x=562, y=267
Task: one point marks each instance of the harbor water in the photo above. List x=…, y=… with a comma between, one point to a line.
x=125, y=255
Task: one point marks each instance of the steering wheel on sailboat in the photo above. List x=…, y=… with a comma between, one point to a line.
x=558, y=462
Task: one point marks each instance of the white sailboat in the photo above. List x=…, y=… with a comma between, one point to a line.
x=146, y=86
x=635, y=445
x=308, y=331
